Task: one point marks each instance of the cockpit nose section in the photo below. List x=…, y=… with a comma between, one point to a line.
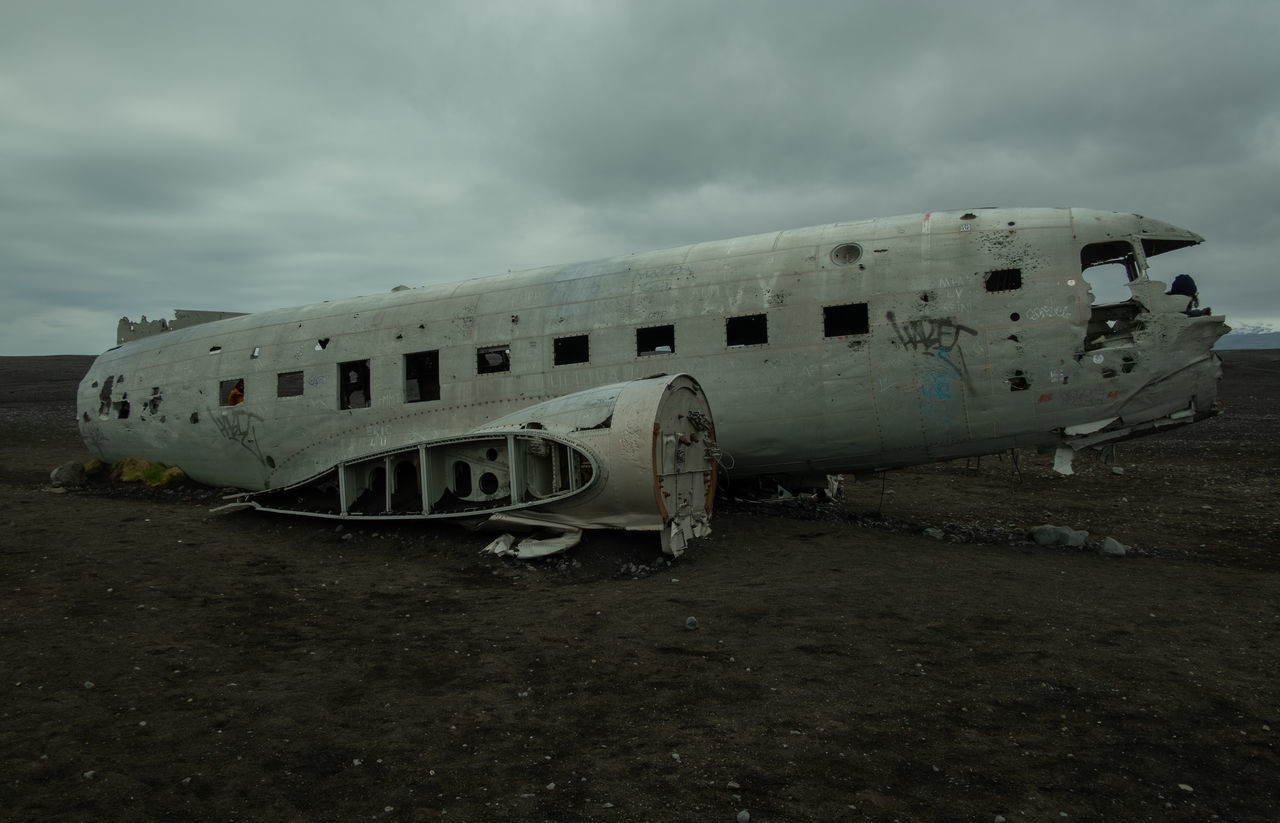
x=1149, y=354
x=1159, y=237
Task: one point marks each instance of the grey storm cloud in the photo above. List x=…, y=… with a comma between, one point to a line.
x=244, y=156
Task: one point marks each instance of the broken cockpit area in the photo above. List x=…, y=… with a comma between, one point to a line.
x=639, y=455
x=1150, y=355
x=1111, y=267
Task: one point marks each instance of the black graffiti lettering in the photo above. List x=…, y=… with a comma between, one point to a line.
x=929, y=334
x=238, y=427
x=936, y=338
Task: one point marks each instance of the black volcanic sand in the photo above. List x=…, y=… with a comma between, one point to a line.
x=160, y=662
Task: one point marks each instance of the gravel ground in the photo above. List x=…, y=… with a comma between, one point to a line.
x=161, y=662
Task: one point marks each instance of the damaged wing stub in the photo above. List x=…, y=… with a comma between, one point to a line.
x=637, y=456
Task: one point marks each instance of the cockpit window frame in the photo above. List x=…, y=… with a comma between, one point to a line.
x=1109, y=252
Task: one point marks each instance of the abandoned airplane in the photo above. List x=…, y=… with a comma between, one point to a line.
x=530, y=398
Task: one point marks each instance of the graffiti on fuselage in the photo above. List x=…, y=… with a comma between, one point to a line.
x=936, y=338
x=237, y=426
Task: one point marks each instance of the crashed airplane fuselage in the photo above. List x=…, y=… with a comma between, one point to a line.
x=844, y=348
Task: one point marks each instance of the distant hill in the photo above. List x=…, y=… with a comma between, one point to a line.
x=1250, y=337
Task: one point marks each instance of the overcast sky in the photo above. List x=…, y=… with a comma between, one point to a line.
x=244, y=156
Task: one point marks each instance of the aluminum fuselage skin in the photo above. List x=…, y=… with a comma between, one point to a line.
x=886, y=343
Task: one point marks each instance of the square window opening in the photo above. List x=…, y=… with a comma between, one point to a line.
x=289, y=384
x=493, y=359
x=852, y=318
x=750, y=330
x=1004, y=280
x=231, y=392
x=655, y=340
x=575, y=349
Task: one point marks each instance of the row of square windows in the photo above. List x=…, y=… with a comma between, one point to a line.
x=422, y=369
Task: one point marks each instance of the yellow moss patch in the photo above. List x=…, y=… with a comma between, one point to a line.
x=131, y=470
x=172, y=474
